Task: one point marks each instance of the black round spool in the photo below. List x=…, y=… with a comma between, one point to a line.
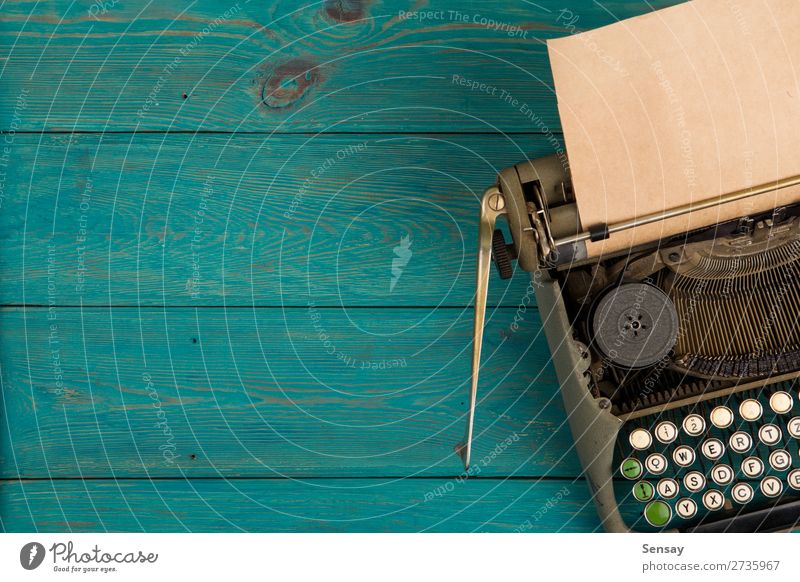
x=635, y=325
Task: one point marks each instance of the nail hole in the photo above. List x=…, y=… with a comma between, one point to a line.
x=185, y=96
x=193, y=456
x=194, y=340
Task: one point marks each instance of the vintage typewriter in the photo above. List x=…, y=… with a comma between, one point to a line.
x=679, y=360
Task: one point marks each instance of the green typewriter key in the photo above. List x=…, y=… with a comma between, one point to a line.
x=643, y=491
x=631, y=468
x=657, y=513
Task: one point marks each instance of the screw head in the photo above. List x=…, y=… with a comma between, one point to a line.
x=497, y=201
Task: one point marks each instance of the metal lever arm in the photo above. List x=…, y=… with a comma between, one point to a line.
x=493, y=205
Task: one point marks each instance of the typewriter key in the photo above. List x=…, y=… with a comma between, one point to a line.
x=694, y=425
x=712, y=449
x=694, y=481
x=643, y=491
x=667, y=488
x=683, y=456
x=686, y=508
x=656, y=463
x=769, y=434
x=742, y=493
x=740, y=442
x=780, y=402
x=750, y=409
x=722, y=417
x=640, y=439
x=666, y=432
x=657, y=513
x=771, y=486
x=753, y=467
x=631, y=468
x=722, y=475
x=794, y=427
x=713, y=499
x=635, y=325
x=780, y=460
x=794, y=479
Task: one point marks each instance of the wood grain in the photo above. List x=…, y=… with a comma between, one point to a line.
x=258, y=66
x=256, y=220
x=256, y=505
x=270, y=392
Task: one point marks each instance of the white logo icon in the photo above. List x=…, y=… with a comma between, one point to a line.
x=402, y=254
x=31, y=555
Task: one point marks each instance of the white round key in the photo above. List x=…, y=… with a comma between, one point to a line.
x=769, y=434
x=640, y=439
x=667, y=488
x=781, y=402
x=750, y=409
x=753, y=467
x=740, y=441
x=656, y=463
x=694, y=425
x=683, y=455
x=666, y=432
x=722, y=475
x=686, y=508
x=742, y=493
x=780, y=460
x=794, y=479
x=712, y=449
x=713, y=499
x=793, y=426
x=694, y=481
x=722, y=417
x=771, y=486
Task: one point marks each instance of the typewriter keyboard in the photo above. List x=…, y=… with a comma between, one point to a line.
x=710, y=460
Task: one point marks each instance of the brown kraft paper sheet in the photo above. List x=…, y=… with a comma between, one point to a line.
x=678, y=106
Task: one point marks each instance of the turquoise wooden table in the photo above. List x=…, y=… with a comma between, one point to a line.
x=237, y=266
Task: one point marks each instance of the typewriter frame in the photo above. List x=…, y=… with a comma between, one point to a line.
x=523, y=194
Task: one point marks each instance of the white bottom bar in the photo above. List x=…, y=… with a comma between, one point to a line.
x=401, y=557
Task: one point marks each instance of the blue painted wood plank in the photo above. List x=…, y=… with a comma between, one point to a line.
x=129, y=392
x=247, y=66
x=278, y=505
x=256, y=220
